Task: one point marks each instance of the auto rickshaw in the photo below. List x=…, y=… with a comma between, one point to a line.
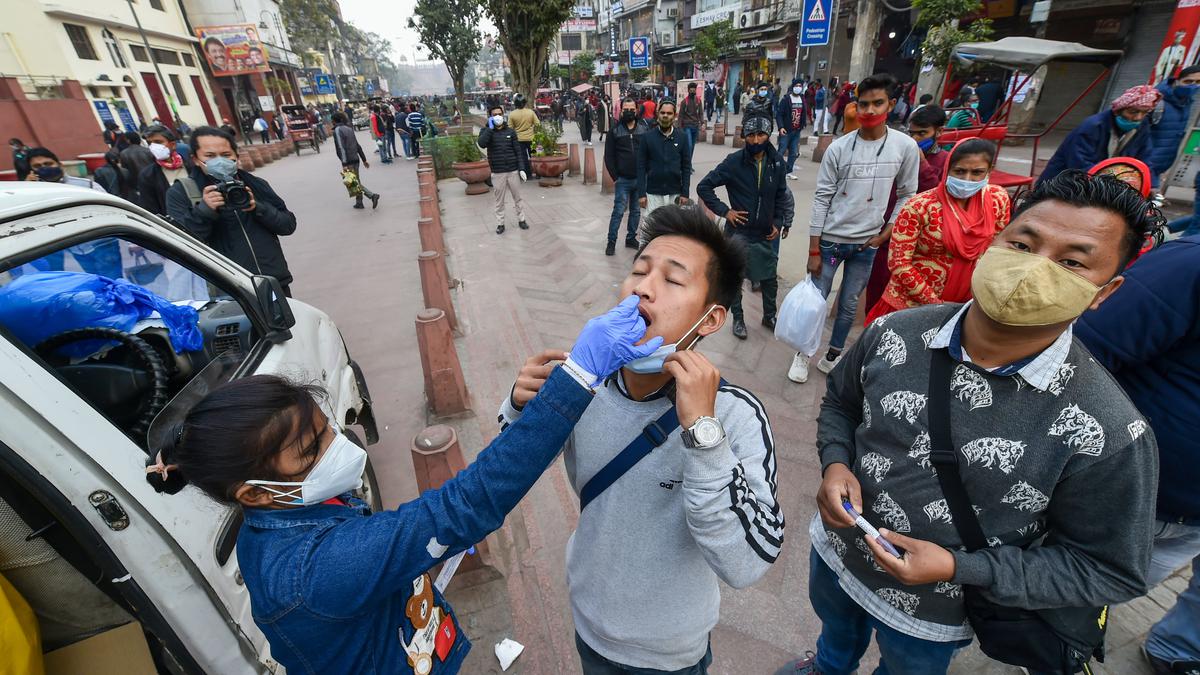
x=300, y=130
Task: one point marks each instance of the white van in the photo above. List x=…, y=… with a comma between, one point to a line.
x=84, y=538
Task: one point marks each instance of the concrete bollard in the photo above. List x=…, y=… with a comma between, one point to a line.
x=429, y=209
x=254, y=155
x=427, y=189
x=738, y=141
x=445, y=387
x=703, y=132
x=431, y=235
x=245, y=163
x=573, y=159
x=719, y=134
x=823, y=142
x=607, y=186
x=437, y=457
x=435, y=284
x=589, y=165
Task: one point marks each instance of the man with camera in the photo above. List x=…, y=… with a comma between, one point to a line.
x=234, y=212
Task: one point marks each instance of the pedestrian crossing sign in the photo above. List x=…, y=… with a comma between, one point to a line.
x=814, y=27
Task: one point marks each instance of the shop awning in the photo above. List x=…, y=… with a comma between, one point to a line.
x=1026, y=53
x=678, y=50
x=580, y=88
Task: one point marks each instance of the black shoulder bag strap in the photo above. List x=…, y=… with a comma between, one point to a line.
x=652, y=436
x=944, y=457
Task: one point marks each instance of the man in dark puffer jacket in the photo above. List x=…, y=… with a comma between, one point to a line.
x=507, y=159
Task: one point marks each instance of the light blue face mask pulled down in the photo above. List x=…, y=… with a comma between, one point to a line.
x=653, y=364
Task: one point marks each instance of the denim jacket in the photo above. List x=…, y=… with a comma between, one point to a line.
x=337, y=589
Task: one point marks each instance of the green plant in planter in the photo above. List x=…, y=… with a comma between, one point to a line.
x=545, y=140
x=465, y=147
x=446, y=150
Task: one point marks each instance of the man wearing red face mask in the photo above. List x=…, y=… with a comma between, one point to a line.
x=850, y=207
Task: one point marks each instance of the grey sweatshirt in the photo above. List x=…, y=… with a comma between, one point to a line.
x=854, y=185
x=644, y=560
x=1061, y=468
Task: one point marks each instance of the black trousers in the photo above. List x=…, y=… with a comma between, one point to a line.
x=769, y=288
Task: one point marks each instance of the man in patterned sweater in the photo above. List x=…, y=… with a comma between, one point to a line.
x=1058, y=464
x=644, y=561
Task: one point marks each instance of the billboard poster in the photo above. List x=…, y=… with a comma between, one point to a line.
x=233, y=50
x=1181, y=43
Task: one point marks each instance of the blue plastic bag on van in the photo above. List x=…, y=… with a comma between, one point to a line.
x=37, y=306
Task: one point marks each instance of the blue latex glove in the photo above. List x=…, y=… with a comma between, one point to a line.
x=607, y=342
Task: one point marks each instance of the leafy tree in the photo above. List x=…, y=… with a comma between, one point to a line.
x=942, y=18
x=309, y=23
x=639, y=74
x=583, y=66
x=558, y=72
x=712, y=42
x=526, y=28
x=448, y=30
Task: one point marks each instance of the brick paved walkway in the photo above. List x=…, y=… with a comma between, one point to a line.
x=530, y=290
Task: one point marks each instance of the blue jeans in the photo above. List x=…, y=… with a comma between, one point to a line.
x=625, y=190
x=1189, y=225
x=384, y=155
x=391, y=143
x=858, y=259
x=1176, y=637
x=595, y=664
x=692, y=133
x=406, y=139
x=846, y=632
x=793, y=147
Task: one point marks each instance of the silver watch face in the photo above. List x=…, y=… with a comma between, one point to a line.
x=706, y=431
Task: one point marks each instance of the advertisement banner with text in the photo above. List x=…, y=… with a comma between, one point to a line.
x=233, y=50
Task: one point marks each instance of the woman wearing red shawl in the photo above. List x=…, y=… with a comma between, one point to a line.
x=940, y=233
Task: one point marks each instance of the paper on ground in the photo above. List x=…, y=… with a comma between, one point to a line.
x=507, y=651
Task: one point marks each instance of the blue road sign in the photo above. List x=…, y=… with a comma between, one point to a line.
x=639, y=52
x=323, y=83
x=814, y=23
x=105, y=114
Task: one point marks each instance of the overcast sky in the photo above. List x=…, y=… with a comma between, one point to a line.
x=390, y=19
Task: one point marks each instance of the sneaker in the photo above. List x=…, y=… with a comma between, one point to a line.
x=611, y=249
x=792, y=176
x=826, y=364
x=359, y=205
x=798, y=373
x=523, y=225
x=769, y=322
x=374, y=201
x=632, y=243
x=499, y=229
x=804, y=666
x=739, y=329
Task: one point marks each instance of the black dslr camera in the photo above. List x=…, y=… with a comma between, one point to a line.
x=236, y=195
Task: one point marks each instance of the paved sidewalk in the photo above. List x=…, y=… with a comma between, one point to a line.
x=530, y=290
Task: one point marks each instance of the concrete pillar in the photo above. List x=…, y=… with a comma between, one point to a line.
x=426, y=188
x=822, y=143
x=869, y=16
x=445, y=387
x=607, y=185
x=437, y=457
x=719, y=134
x=589, y=165
x=245, y=163
x=435, y=284
x=429, y=209
x=573, y=159
x=738, y=141
x=700, y=137
x=431, y=235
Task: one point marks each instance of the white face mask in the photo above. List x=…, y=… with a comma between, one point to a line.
x=161, y=152
x=337, y=472
x=648, y=365
x=797, y=90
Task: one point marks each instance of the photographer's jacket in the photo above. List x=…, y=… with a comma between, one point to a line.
x=504, y=151
x=249, y=238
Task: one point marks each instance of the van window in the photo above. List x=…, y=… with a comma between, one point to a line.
x=160, y=324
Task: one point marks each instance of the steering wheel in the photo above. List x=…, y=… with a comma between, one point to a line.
x=130, y=395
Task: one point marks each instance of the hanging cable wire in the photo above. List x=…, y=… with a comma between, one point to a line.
x=896, y=9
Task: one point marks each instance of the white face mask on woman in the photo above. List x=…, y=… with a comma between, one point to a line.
x=337, y=472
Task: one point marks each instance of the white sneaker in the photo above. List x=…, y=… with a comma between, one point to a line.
x=825, y=365
x=792, y=176
x=799, y=371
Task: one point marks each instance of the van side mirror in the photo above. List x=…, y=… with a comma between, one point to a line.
x=273, y=304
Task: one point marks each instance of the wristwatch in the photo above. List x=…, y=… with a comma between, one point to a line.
x=705, y=433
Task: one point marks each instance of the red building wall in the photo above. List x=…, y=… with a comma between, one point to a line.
x=66, y=126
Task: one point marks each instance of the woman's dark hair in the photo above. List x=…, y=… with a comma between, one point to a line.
x=883, y=81
x=235, y=434
x=1077, y=188
x=206, y=130
x=727, y=263
x=928, y=116
x=973, y=146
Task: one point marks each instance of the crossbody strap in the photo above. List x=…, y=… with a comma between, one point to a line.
x=652, y=436
x=944, y=457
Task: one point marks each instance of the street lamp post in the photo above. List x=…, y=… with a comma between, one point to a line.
x=153, y=61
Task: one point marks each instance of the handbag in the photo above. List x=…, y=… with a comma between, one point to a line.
x=1059, y=640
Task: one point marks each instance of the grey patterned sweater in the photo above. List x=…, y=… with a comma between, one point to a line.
x=1068, y=465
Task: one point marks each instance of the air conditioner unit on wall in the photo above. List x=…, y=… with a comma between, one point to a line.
x=666, y=39
x=672, y=12
x=762, y=17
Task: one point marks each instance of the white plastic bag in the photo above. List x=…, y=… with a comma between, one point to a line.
x=801, y=317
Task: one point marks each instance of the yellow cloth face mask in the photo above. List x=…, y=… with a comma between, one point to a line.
x=1016, y=288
